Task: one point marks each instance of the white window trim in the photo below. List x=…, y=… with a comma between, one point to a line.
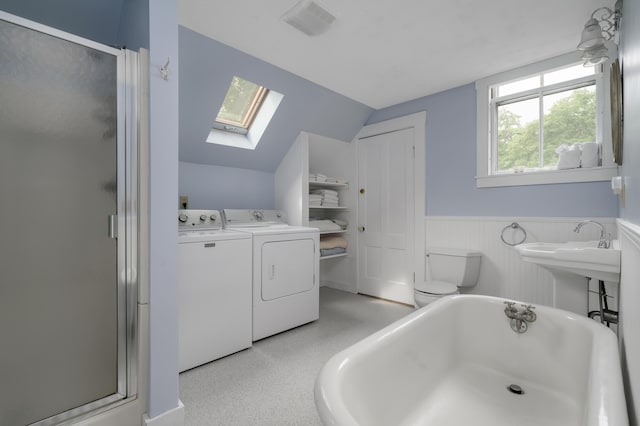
x=485, y=179
x=257, y=129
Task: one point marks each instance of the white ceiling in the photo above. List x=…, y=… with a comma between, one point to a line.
x=384, y=52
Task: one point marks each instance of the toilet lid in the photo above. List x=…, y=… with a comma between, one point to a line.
x=440, y=287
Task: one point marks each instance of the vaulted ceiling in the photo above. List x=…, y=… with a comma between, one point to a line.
x=382, y=52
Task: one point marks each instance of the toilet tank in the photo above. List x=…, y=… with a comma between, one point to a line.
x=460, y=267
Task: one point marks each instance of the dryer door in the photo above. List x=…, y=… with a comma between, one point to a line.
x=287, y=268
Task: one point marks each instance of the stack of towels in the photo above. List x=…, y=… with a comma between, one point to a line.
x=315, y=200
x=578, y=155
x=332, y=244
x=324, y=198
x=319, y=177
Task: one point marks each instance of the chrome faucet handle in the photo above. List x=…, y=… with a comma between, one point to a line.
x=511, y=309
x=528, y=314
x=604, y=243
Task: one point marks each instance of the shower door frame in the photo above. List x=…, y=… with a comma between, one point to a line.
x=126, y=224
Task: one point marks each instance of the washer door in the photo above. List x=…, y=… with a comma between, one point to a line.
x=287, y=268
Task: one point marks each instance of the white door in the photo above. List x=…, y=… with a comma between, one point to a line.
x=385, y=215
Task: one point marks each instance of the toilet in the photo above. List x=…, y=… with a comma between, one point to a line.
x=448, y=269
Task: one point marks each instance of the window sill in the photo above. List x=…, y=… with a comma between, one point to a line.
x=235, y=140
x=594, y=174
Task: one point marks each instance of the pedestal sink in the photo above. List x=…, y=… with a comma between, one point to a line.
x=570, y=264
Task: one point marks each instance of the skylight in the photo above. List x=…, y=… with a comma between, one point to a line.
x=244, y=115
x=240, y=106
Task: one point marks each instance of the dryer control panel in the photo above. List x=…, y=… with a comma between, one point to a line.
x=199, y=219
x=235, y=218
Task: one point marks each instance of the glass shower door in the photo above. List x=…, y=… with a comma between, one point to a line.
x=61, y=297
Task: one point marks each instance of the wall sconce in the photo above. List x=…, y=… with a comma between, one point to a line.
x=601, y=27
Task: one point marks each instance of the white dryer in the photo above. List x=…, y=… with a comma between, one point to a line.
x=286, y=262
x=214, y=289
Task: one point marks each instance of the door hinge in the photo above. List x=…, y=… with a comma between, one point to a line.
x=414, y=277
x=414, y=151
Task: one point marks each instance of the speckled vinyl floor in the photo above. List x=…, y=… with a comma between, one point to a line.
x=272, y=382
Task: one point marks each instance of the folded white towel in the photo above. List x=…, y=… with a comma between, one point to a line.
x=324, y=225
x=569, y=159
x=589, y=155
x=325, y=192
x=331, y=241
x=341, y=223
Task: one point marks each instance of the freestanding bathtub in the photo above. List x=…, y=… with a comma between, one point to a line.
x=452, y=363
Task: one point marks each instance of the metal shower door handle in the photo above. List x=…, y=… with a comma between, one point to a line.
x=113, y=226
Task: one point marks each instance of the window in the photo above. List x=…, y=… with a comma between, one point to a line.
x=544, y=123
x=240, y=106
x=244, y=115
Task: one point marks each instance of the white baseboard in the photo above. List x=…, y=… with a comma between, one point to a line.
x=174, y=417
x=338, y=286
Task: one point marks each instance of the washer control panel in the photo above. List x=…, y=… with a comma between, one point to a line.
x=250, y=218
x=199, y=219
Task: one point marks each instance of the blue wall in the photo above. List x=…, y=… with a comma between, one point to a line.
x=451, y=168
x=111, y=22
x=219, y=187
x=97, y=20
x=133, y=31
x=163, y=228
x=206, y=69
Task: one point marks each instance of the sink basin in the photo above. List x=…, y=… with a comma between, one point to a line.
x=569, y=264
x=579, y=257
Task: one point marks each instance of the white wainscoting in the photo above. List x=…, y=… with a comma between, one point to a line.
x=629, y=334
x=502, y=272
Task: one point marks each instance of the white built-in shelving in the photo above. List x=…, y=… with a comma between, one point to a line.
x=333, y=256
x=344, y=231
x=333, y=158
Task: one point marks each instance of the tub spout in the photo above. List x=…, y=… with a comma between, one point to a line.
x=520, y=319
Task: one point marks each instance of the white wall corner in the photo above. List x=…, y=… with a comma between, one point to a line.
x=173, y=417
x=628, y=335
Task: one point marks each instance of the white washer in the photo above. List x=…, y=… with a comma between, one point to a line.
x=286, y=262
x=214, y=289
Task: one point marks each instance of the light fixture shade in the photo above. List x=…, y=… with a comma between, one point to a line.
x=591, y=35
x=309, y=17
x=595, y=56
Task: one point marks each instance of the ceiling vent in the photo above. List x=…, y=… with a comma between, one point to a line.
x=309, y=17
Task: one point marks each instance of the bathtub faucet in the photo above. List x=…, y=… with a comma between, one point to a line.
x=519, y=317
x=602, y=243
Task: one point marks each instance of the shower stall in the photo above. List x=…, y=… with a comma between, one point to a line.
x=68, y=246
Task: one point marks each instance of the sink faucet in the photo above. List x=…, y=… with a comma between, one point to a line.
x=602, y=243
